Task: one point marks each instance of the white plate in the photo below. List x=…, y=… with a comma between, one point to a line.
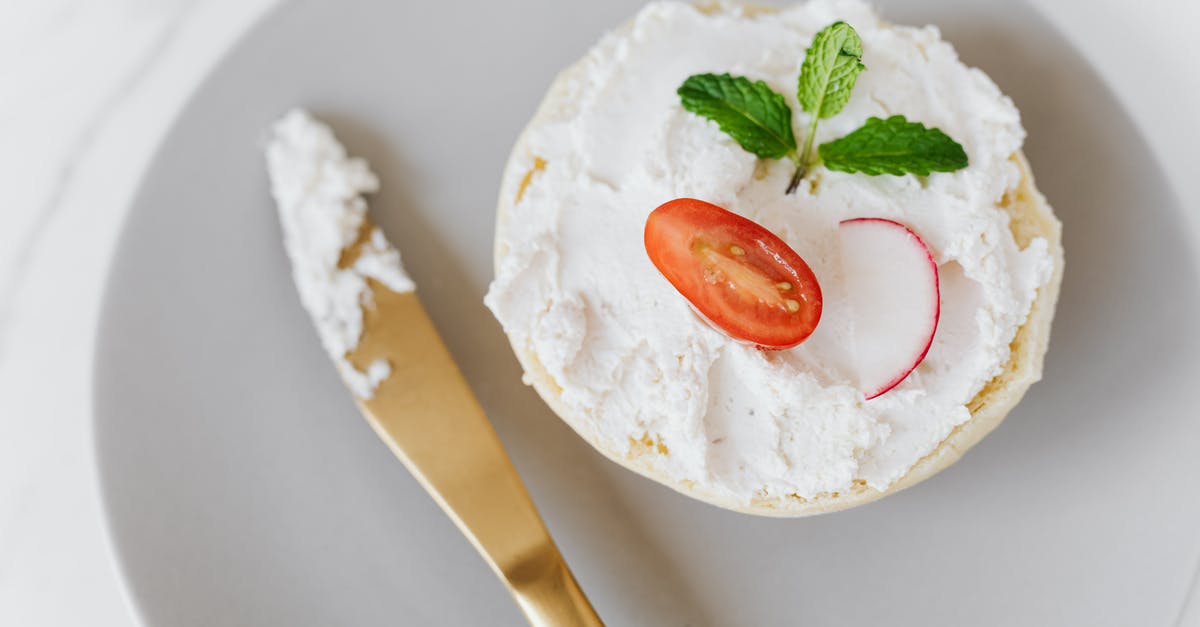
x=243, y=489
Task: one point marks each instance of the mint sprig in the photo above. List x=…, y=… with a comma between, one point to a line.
x=760, y=120
x=894, y=146
x=750, y=112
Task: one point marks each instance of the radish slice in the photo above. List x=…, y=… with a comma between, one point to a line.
x=892, y=282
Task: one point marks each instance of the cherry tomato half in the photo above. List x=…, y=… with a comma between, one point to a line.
x=737, y=274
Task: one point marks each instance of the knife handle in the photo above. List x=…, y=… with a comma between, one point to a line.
x=425, y=412
x=548, y=594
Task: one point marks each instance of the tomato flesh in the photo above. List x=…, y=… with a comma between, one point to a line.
x=735, y=273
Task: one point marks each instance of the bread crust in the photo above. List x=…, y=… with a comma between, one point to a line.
x=1031, y=217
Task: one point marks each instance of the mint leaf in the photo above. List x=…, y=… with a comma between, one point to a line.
x=894, y=146
x=831, y=65
x=750, y=112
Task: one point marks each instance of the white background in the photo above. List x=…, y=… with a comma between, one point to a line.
x=88, y=88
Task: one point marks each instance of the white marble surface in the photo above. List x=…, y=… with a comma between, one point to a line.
x=88, y=88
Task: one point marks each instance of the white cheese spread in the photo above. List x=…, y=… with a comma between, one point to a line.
x=576, y=291
x=319, y=193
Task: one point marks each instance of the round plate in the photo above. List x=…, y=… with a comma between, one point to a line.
x=242, y=488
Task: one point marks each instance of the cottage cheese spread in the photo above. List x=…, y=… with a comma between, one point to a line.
x=318, y=191
x=575, y=289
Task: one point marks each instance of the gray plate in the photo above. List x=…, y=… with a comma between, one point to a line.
x=243, y=489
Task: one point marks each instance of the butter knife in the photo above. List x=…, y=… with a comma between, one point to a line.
x=400, y=373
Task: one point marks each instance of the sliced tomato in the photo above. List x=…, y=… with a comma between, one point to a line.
x=737, y=274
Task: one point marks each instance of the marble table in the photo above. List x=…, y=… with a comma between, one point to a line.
x=87, y=89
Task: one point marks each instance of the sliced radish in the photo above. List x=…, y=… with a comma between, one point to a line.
x=892, y=283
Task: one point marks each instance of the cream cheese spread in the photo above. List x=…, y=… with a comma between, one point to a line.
x=319, y=193
x=576, y=291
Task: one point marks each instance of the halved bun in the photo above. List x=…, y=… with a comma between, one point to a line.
x=1031, y=217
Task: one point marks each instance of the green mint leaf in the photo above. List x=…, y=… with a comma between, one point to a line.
x=894, y=146
x=831, y=65
x=750, y=112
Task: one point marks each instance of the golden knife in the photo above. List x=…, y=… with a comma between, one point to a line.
x=399, y=371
